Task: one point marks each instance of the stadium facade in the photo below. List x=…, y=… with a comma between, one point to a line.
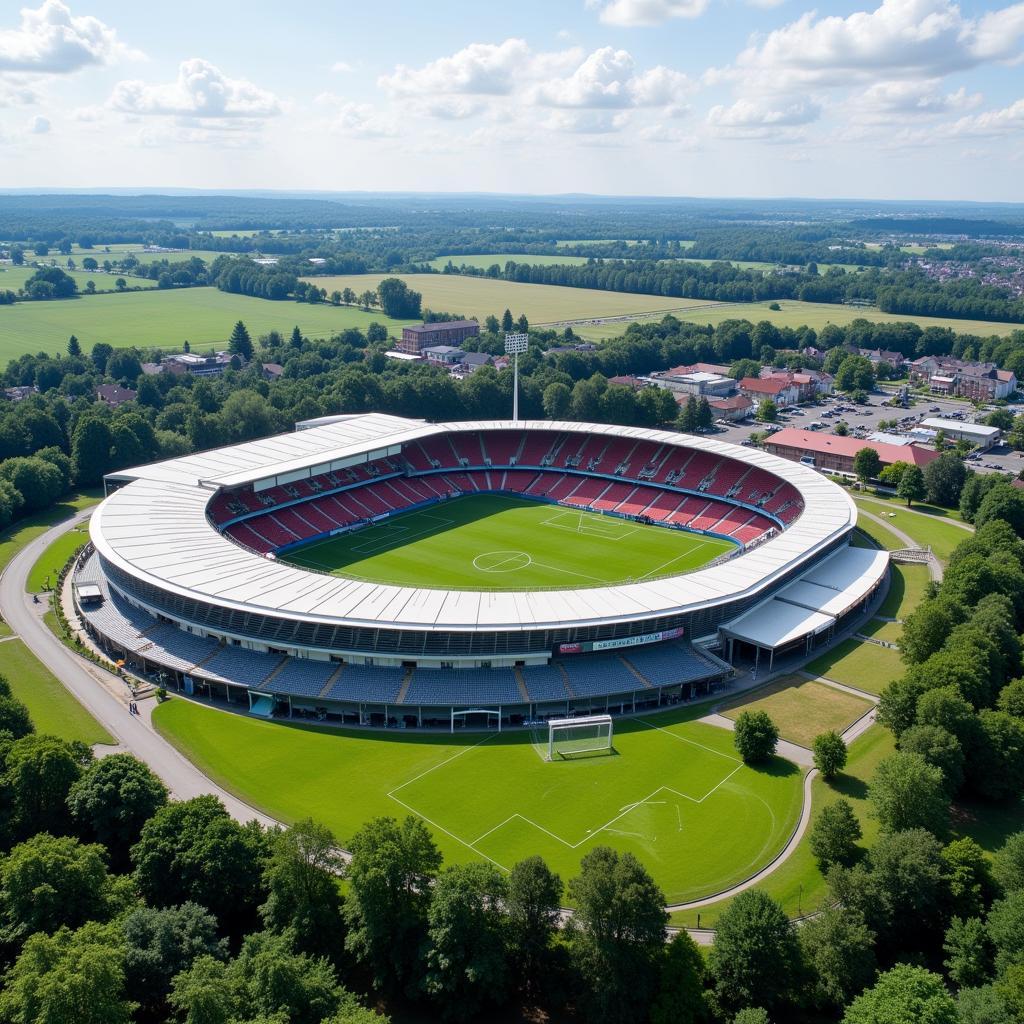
x=183, y=558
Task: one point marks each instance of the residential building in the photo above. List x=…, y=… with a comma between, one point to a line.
x=737, y=407
x=114, y=395
x=832, y=453
x=781, y=391
x=895, y=360
x=206, y=364
x=19, y=392
x=271, y=371
x=628, y=381
x=449, y=332
x=472, y=361
x=810, y=383
x=957, y=378
x=443, y=355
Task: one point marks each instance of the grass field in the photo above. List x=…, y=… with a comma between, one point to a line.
x=802, y=708
x=906, y=590
x=53, y=709
x=542, y=303
x=49, y=564
x=501, y=258
x=16, y=536
x=862, y=665
x=203, y=316
x=497, y=543
x=673, y=793
x=938, y=533
x=796, y=314
x=13, y=278
x=879, y=629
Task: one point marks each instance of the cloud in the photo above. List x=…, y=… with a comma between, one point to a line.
x=638, y=13
x=669, y=135
x=754, y=119
x=606, y=79
x=885, y=102
x=585, y=122
x=900, y=39
x=341, y=67
x=15, y=92
x=39, y=125
x=361, y=120
x=51, y=40
x=484, y=69
x=989, y=124
x=201, y=91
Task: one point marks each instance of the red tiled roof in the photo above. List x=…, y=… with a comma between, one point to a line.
x=830, y=444
x=736, y=402
x=772, y=386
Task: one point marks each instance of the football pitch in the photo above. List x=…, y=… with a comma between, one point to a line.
x=490, y=542
x=672, y=791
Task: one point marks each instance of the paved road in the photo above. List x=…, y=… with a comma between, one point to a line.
x=133, y=734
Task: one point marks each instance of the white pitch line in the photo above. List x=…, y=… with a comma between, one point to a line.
x=683, y=739
x=441, y=764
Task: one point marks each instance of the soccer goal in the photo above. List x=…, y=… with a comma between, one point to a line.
x=584, y=735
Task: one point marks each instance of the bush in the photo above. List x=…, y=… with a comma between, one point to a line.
x=829, y=754
x=755, y=736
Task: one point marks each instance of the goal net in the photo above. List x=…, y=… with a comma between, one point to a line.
x=585, y=735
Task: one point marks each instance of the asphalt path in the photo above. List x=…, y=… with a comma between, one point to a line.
x=134, y=734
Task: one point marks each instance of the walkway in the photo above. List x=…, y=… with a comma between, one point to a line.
x=934, y=565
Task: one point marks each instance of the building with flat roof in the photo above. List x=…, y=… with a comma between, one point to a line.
x=828, y=452
x=976, y=433
x=448, y=332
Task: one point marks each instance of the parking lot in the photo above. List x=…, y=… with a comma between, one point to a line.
x=864, y=419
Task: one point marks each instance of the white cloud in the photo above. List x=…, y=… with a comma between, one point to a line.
x=989, y=124
x=669, y=135
x=341, y=67
x=15, y=92
x=585, y=122
x=361, y=120
x=51, y=40
x=39, y=125
x=635, y=13
x=201, y=91
x=895, y=101
x=479, y=69
x=754, y=119
x=900, y=38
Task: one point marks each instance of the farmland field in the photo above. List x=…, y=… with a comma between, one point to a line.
x=14, y=278
x=672, y=792
x=501, y=258
x=481, y=297
x=498, y=543
x=204, y=316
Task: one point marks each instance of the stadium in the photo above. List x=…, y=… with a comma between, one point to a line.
x=381, y=571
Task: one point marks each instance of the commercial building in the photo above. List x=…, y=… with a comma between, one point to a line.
x=738, y=407
x=836, y=454
x=211, y=364
x=449, y=332
x=703, y=380
x=976, y=433
x=443, y=355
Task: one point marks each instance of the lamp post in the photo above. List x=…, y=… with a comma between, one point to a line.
x=514, y=344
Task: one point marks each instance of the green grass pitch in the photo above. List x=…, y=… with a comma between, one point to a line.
x=490, y=542
x=673, y=792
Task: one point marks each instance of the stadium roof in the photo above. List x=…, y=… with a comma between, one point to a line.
x=155, y=529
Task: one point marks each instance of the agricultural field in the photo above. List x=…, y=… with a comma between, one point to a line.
x=482, y=297
x=501, y=258
x=802, y=708
x=672, y=792
x=498, y=543
x=797, y=314
x=203, y=316
x=13, y=278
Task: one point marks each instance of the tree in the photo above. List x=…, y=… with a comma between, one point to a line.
x=995, y=769
x=1003, y=502
x=829, y=754
x=1005, y=925
x=466, y=964
x=755, y=736
x=113, y=799
x=40, y=483
x=160, y=943
x=398, y=300
x=767, y=411
x=68, y=978
x=74, y=348
x=867, y=464
x=49, y=881
x=240, y=343
x=906, y=792
x=755, y=960
x=752, y=1014
x=616, y=936
x=983, y=1005
x=968, y=952
x=1008, y=863
x=556, y=400
x=680, y=998
x=392, y=867
x=835, y=834
x=944, y=479
x=178, y=845
x=941, y=749
x=839, y=948
x=203, y=994
x=301, y=877
x=91, y=445
x=246, y=415
x=911, y=486
x=705, y=416
x=532, y=910
x=904, y=995
x=120, y=284
x=38, y=774
x=907, y=890
x=14, y=718
x=926, y=629
x=855, y=373
x=506, y=321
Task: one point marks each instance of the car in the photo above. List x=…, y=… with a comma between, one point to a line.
x=935, y=408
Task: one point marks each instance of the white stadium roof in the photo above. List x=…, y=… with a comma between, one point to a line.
x=155, y=529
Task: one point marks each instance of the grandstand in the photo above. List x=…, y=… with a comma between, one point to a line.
x=186, y=555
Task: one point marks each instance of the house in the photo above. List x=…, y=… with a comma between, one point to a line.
x=628, y=381
x=781, y=391
x=810, y=383
x=443, y=355
x=894, y=360
x=738, y=407
x=448, y=332
x=271, y=371
x=211, y=364
x=828, y=452
x=958, y=378
x=114, y=395
x=472, y=361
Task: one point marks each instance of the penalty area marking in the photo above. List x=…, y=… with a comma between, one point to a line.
x=502, y=561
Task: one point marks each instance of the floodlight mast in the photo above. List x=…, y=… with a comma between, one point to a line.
x=514, y=344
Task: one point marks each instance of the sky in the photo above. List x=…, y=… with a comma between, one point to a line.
x=897, y=99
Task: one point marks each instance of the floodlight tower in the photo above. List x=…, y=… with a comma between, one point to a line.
x=514, y=344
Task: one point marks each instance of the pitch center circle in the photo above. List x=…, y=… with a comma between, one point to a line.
x=501, y=561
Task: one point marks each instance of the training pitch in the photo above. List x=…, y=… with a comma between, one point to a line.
x=672, y=792
x=488, y=542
